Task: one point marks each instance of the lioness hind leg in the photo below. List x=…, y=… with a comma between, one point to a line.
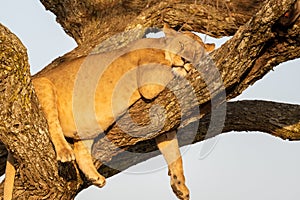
x=168, y=145
x=86, y=165
x=10, y=172
x=45, y=91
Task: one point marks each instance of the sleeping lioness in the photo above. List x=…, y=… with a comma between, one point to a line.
x=77, y=96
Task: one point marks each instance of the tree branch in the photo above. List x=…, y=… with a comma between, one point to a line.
x=277, y=119
x=283, y=47
x=87, y=23
x=217, y=18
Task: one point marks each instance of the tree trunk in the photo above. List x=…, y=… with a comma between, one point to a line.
x=24, y=129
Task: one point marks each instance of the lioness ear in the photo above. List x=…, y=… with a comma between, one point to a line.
x=169, y=32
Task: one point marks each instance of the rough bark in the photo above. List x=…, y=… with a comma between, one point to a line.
x=258, y=45
x=217, y=18
x=23, y=129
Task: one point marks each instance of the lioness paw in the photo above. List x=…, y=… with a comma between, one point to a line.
x=98, y=181
x=65, y=154
x=179, y=187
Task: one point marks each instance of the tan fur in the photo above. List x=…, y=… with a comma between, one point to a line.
x=66, y=96
x=168, y=145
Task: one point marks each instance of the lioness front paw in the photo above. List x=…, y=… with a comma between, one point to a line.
x=65, y=154
x=179, y=188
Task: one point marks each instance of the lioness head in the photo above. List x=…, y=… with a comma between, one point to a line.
x=185, y=45
x=179, y=49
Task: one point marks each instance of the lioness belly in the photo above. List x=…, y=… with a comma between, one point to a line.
x=85, y=117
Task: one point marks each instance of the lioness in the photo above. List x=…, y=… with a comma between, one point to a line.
x=77, y=96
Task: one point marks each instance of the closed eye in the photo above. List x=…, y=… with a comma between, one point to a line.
x=181, y=46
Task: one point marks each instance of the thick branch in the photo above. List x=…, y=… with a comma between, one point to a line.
x=277, y=119
x=285, y=46
x=23, y=129
x=217, y=18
